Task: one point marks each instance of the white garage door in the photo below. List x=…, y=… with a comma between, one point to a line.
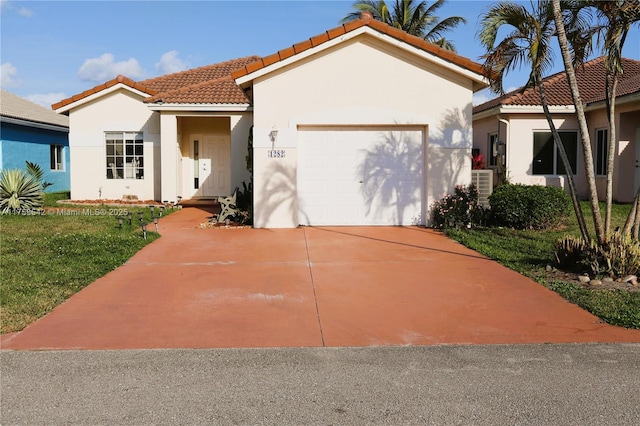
x=356, y=176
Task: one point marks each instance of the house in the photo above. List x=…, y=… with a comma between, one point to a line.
x=30, y=132
x=361, y=125
x=511, y=131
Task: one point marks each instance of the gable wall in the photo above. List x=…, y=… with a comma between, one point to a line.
x=360, y=82
x=117, y=111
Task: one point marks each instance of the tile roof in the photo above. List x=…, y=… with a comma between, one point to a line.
x=590, y=76
x=118, y=80
x=14, y=106
x=182, y=87
x=365, y=19
x=211, y=84
x=214, y=84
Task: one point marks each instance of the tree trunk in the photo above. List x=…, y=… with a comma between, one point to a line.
x=633, y=219
x=611, y=83
x=565, y=160
x=582, y=122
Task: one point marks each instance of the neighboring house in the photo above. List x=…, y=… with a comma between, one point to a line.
x=512, y=130
x=30, y=132
x=361, y=125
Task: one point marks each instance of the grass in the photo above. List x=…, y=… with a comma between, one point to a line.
x=529, y=252
x=47, y=258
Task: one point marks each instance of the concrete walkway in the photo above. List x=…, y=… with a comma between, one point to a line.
x=309, y=287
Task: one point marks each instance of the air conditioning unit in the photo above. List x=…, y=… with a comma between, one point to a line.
x=483, y=180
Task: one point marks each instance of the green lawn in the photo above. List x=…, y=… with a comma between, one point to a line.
x=529, y=252
x=47, y=258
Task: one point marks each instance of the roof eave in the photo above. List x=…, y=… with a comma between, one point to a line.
x=86, y=99
x=164, y=106
x=523, y=109
x=620, y=100
x=479, y=80
x=37, y=124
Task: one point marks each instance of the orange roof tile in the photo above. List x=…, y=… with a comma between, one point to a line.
x=181, y=83
x=364, y=20
x=119, y=79
x=214, y=84
x=591, y=78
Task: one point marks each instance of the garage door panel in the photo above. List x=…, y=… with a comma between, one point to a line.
x=371, y=177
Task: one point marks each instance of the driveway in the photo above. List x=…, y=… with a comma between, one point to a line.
x=309, y=287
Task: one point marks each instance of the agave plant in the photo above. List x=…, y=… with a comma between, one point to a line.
x=19, y=190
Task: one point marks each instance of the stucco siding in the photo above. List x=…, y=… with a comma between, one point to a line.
x=22, y=143
x=120, y=111
x=362, y=82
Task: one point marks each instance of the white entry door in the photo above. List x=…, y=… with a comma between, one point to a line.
x=212, y=168
x=361, y=176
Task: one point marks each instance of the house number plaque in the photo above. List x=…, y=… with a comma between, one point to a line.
x=276, y=153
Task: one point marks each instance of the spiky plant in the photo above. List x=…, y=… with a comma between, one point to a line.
x=19, y=190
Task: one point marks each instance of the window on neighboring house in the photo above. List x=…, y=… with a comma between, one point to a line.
x=493, y=149
x=546, y=158
x=125, y=156
x=56, y=157
x=602, y=148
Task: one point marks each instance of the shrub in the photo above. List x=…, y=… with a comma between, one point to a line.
x=617, y=257
x=529, y=206
x=458, y=209
x=19, y=191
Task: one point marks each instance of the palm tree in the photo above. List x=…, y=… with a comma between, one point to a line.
x=527, y=43
x=415, y=18
x=559, y=18
x=616, y=19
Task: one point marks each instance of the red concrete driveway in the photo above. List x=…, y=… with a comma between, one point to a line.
x=346, y=286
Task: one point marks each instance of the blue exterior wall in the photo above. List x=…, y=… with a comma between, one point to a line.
x=19, y=144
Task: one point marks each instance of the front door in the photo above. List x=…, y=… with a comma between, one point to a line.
x=212, y=165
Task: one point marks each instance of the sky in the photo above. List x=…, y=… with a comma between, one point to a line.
x=51, y=50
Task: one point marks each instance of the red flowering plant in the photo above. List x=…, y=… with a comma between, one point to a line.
x=477, y=162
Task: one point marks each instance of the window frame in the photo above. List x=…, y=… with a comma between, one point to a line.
x=492, y=149
x=56, y=157
x=601, y=152
x=124, y=154
x=557, y=165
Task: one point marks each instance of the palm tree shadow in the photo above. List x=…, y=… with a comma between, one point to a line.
x=392, y=176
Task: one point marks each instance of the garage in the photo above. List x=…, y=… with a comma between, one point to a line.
x=361, y=175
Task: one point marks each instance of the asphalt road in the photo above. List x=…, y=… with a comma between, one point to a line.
x=500, y=384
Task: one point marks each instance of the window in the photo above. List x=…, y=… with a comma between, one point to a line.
x=56, y=157
x=546, y=159
x=493, y=149
x=125, y=155
x=602, y=148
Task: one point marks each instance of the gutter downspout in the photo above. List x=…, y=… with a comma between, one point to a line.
x=506, y=144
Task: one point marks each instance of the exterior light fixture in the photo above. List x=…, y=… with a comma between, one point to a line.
x=120, y=221
x=273, y=135
x=143, y=225
x=140, y=216
x=162, y=209
x=129, y=216
x=155, y=222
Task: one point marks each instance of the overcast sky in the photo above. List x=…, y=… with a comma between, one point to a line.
x=51, y=50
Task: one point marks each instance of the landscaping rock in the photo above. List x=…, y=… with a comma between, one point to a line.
x=607, y=279
x=549, y=268
x=631, y=279
x=584, y=278
x=595, y=283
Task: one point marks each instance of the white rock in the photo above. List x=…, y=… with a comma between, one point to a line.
x=584, y=278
